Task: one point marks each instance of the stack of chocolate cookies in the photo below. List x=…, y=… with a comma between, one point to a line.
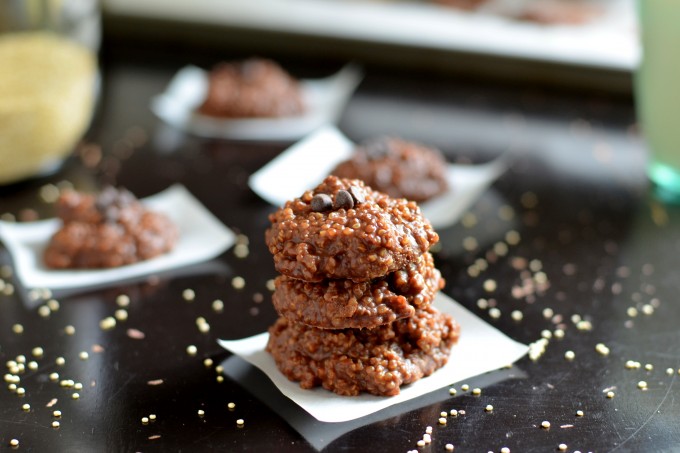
x=355, y=291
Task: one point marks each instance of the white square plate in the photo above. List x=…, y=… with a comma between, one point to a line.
x=305, y=164
x=201, y=237
x=324, y=100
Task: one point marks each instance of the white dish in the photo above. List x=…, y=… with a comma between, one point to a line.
x=305, y=164
x=481, y=348
x=324, y=100
x=201, y=237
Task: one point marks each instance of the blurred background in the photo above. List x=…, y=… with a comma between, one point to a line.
x=584, y=43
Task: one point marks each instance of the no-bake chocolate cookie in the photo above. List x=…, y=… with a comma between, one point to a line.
x=397, y=167
x=560, y=12
x=467, y=5
x=251, y=88
x=341, y=304
x=352, y=361
x=343, y=229
x=109, y=230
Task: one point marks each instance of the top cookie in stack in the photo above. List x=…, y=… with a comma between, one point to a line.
x=342, y=229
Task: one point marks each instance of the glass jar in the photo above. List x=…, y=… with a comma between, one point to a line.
x=48, y=82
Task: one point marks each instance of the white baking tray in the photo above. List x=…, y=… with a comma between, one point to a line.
x=608, y=42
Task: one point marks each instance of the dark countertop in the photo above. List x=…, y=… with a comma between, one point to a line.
x=577, y=195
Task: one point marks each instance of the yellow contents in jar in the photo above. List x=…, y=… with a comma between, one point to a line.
x=47, y=87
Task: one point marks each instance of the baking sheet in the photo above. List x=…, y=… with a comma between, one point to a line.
x=609, y=42
x=481, y=348
x=305, y=164
x=324, y=101
x=201, y=237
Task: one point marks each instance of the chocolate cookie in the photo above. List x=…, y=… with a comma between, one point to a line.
x=352, y=361
x=560, y=12
x=467, y=5
x=342, y=304
x=251, y=88
x=399, y=168
x=343, y=229
x=110, y=230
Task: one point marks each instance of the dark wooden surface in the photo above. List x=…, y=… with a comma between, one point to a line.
x=577, y=195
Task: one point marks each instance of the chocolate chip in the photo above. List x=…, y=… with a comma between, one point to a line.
x=376, y=148
x=125, y=197
x=106, y=197
x=321, y=202
x=252, y=68
x=343, y=199
x=358, y=194
x=111, y=214
x=110, y=202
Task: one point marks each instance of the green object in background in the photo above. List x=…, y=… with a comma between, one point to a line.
x=658, y=93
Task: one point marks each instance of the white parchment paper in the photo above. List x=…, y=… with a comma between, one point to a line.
x=481, y=348
x=305, y=164
x=324, y=100
x=201, y=237
x=320, y=434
